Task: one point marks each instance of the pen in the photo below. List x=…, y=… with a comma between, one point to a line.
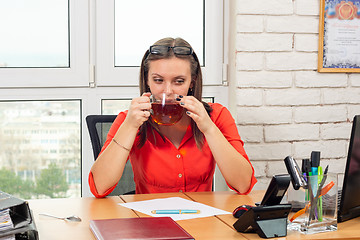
x=320, y=216
x=315, y=162
x=305, y=168
x=175, y=211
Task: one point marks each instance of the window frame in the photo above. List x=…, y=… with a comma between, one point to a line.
x=108, y=75
x=77, y=75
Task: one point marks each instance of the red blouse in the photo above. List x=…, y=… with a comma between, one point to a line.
x=162, y=167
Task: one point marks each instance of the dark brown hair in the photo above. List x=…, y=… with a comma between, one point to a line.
x=196, y=90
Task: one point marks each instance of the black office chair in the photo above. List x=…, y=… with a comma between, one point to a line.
x=98, y=126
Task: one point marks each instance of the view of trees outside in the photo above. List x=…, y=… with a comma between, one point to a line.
x=40, y=148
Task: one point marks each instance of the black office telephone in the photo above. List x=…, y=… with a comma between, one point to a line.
x=269, y=218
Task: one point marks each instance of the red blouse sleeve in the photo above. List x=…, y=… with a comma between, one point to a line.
x=114, y=127
x=226, y=123
x=93, y=188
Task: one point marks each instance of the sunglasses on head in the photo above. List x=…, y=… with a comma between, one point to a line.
x=163, y=50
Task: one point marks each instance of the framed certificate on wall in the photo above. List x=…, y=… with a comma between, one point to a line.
x=339, y=36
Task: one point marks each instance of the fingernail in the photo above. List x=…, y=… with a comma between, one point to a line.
x=182, y=104
x=181, y=96
x=187, y=112
x=178, y=99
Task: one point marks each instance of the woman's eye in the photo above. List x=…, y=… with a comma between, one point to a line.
x=179, y=81
x=158, y=80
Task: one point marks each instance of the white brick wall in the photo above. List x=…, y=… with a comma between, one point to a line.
x=320, y=114
x=284, y=106
x=330, y=149
x=250, y=97
x=264, y=115
x=335, y=131
x=263, y=79
x=290, y=132
x=252, y=24
x=307, y=7
x=292, y=24
x=286, y=61
x=306, y=42
x=264, y=42
x=286, y=97
x=343, y=95
x=268, y=151
x=312, y=79
x=355, y=80
x=352, y=111
x=249, y=61
x=254, y=134
x=265, y=7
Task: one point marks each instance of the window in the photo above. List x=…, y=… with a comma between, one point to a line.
x=37, y=162
x=29, y=41
x=156, y=26
x=114, y=106
x=44, y=43
x=83, y=72
x=120, y=47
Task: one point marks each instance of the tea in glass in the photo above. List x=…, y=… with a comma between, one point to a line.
x=165, y=110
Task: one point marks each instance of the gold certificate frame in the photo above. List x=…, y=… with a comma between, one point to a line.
x=339, y=36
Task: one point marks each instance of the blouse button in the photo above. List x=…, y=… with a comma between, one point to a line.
x=180, y=190
x=180, y=175
x=178, y=156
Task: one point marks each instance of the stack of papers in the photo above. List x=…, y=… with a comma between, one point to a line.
x=10, y=237
x=16, y=218
x=6, y=224
x=5, y=220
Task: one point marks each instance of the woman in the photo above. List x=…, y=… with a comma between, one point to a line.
x=180, y=157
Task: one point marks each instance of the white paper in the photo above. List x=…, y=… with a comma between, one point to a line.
x=174, y=203
x=341, y=43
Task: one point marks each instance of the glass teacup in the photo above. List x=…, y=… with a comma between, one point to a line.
x=165, y=110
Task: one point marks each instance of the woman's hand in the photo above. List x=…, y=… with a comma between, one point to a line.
x=139, y=111
x=109, y=166
x=234, y=167
x=196, y=110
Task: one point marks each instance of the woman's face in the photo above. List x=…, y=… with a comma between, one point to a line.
x=170, y=76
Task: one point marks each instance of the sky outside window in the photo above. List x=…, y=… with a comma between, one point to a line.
x=148, y=21
x=34, y=33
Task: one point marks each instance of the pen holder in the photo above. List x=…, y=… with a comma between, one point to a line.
x=314, y=208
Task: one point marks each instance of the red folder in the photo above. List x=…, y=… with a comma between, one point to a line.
x=138, y=228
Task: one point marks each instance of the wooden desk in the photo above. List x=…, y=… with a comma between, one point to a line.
x=216, y=227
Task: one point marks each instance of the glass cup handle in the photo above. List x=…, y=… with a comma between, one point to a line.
x=152, y=100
